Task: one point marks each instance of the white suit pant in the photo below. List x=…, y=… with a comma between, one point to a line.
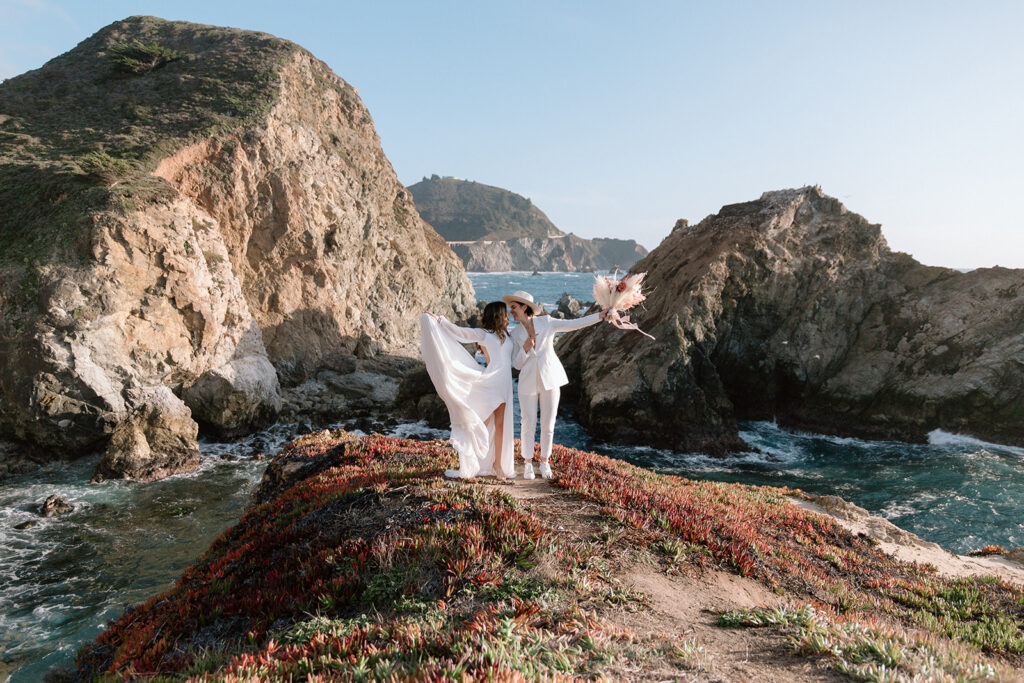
x=528, y=411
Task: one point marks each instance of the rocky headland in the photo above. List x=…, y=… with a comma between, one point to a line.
x=192, y=217
x=359, y=561
x=495, y=230
x=564, y=254
x=793, y=308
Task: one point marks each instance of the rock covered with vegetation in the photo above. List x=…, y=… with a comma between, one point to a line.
x=359, y=561
x=495, y=230
x=793, y=308
x=198, y=209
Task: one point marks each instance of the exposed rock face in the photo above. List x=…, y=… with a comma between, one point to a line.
x=157, y=439
x=791, y=307
x=495, y=230
x=263, y=230
x=565, y=254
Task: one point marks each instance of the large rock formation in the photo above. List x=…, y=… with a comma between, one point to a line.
x=199, y=209
x=494, y=230
x=791, y=307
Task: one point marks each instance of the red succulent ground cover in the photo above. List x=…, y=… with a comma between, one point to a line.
x=758, y=533
x=375, y=567
x=446, y=570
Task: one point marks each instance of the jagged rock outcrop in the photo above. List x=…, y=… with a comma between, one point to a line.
x=54, y=506
x=569, y=307
x=792, y=307
x=199, y=209
x=495, y=230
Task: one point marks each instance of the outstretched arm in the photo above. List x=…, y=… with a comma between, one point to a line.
x=577, y=324
x=462, y=334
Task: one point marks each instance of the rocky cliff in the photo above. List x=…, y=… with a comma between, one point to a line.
x=567, y=253
x=190, y=214
x=495, y=230
x=793, y=308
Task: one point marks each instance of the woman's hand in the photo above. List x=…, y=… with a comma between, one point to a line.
x=604, y=314
x=529, y=343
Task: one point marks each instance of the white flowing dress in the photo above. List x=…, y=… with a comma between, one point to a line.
x=471, y=392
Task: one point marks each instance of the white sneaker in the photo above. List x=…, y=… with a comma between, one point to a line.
x=452, y=474
x=545, y=470
x=528, y=470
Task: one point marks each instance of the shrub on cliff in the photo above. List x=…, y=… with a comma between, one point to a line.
x=137, y=57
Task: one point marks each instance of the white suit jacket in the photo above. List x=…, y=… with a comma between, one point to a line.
x=539, y=368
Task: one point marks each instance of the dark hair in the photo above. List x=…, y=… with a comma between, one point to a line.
x=495, y=319
x=527, y=307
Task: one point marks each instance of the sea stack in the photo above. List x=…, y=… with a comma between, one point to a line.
x=792, y=308
x=192, y=215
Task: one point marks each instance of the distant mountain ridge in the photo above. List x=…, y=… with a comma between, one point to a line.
x=492, y=229
x=467, y=211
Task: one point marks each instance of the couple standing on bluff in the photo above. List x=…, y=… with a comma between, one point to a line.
x=479, y=399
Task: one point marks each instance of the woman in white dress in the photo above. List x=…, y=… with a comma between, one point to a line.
x=479, y=399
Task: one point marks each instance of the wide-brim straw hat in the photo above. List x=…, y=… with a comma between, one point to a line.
x=526, y=299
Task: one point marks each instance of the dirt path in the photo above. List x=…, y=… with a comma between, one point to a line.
x=683, y=606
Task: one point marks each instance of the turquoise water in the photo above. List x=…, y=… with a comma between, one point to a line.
x=956, y=491
x=545, y=287
x=61, y=580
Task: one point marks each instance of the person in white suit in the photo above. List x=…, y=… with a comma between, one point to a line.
x=541, y=375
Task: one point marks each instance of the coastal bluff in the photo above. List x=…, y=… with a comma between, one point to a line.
x=194, y=216
x=494, y=230
x=358, y=560
x=793, y=308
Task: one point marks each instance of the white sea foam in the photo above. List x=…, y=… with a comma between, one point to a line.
x=966, y=442
x=418, y=430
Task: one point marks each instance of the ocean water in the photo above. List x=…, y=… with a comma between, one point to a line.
x=546, y=288
x=62, y=579
x=956, y=491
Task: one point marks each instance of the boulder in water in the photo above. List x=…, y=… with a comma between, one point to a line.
x=157, y=439
x=54, y=506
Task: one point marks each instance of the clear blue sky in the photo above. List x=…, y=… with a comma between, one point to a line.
x=617, y=118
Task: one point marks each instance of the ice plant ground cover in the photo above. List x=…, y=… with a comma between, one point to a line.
x=360, y=562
